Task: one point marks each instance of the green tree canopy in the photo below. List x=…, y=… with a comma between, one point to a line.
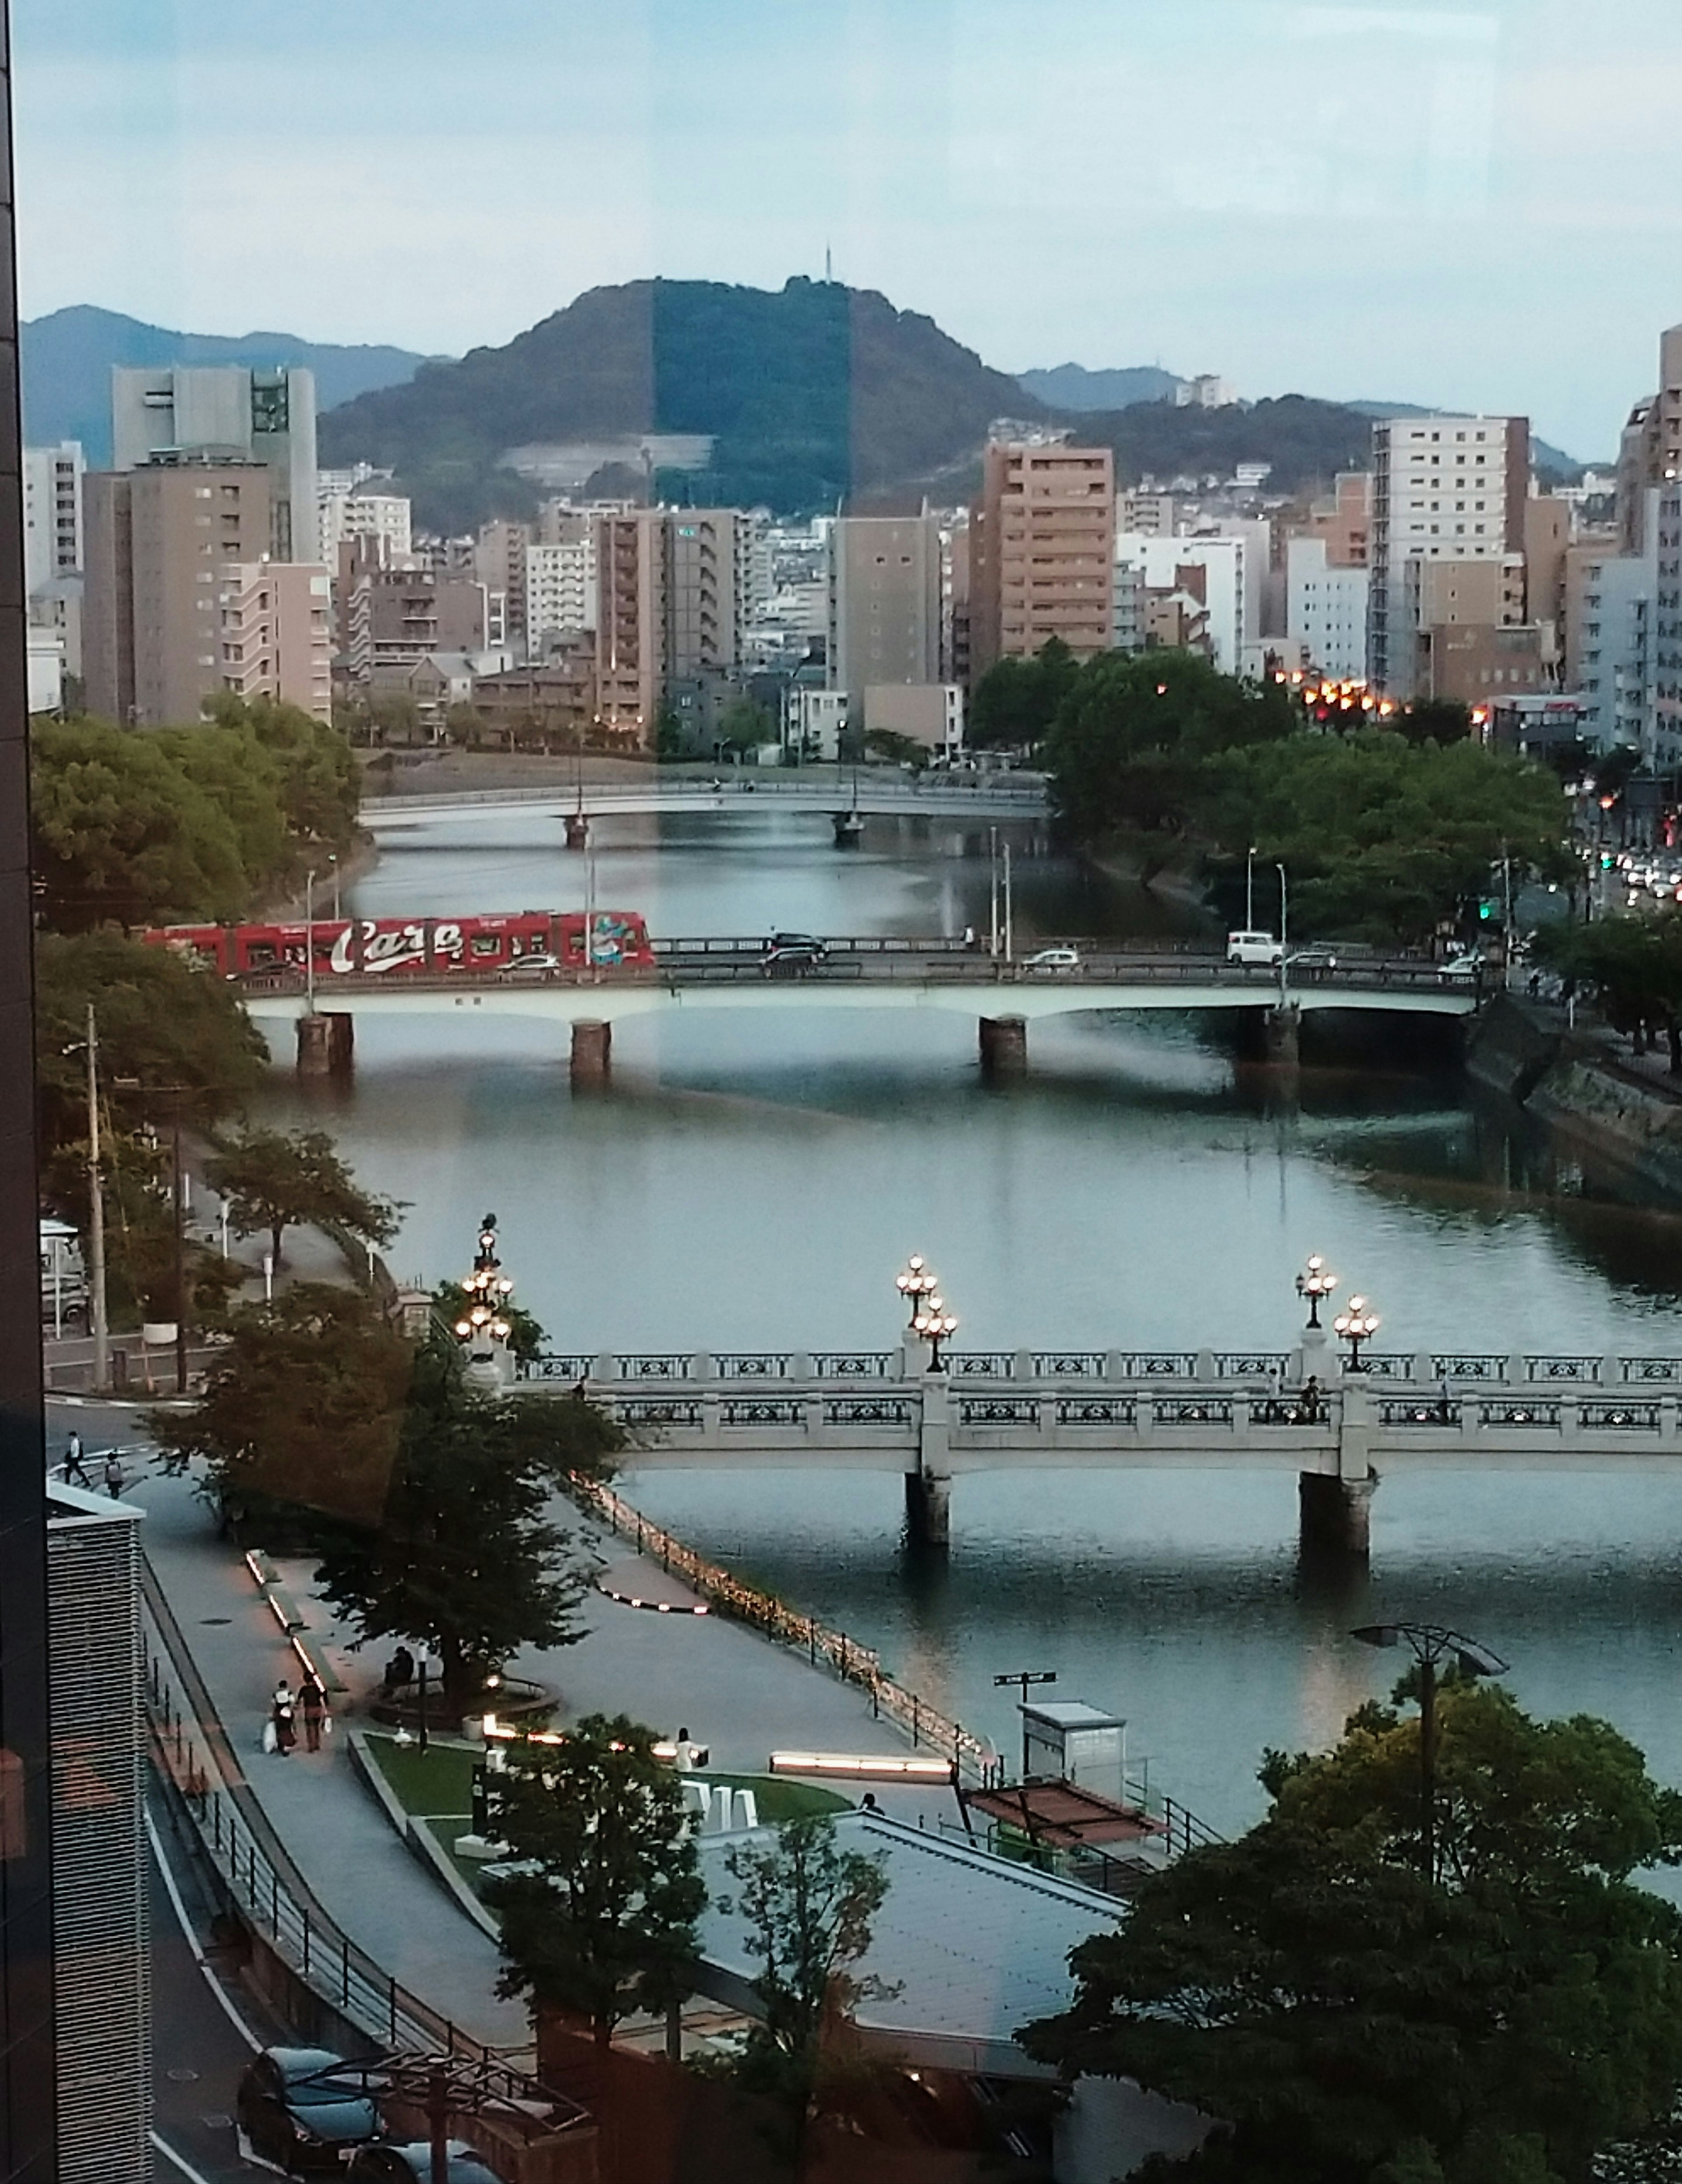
x=1633, y=963
x=604, y=1921
x=1381, y=838
x=273, y=1179
x=1017, y=700
x=1350, y=2022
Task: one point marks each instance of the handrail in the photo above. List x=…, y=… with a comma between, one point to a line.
x=853, y=1663
x=193, y=1747
x=983, y=790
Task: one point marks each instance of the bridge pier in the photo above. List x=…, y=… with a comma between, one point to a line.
x=929, y=1511
x=1282, y=1035
x=326, y=1044
x=1335, y=1515
x=592, y=1051
x=577, y=830
x=1004, y=1046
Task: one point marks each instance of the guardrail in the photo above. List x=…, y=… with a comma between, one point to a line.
x=192, y=1746
x=985, y=789
x=854, y=1664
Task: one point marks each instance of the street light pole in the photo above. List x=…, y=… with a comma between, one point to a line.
x=309, y=941
x=1430, y=1645
x=96, y=1219
x=1250, y=889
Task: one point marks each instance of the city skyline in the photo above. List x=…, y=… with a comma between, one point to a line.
x=1386, y=203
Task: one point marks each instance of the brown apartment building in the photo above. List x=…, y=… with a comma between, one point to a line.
x=631, y=593
x=162, y=542
x=1042, y=545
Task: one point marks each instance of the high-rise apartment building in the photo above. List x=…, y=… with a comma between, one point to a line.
x=53, y=516
x=277, y=633
x=1650, y=452
x=1205, y=575
x=356, y=508
x=1444, y=489
x=884, y=602
x=561, y=577
x=161, y=543
x=228, y=411
x=500, y=564
x=1326, y=608
x=631, y=623
x=1042, y=551
x=392, y=618
x=100, y=1928
x=1609, y=624
x=708, y=567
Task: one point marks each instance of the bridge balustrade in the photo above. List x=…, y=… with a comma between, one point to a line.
x=870, y=1411
x=752, y=1364
x=555, y=1365
x=1651, y=1368
x=651, y=1410
x=982, y=1364
x=1455, y=1365
x=1071, y=1364
x=657, y=1365
x=765, y=1411
x=1252, y=1364
x=1098, y=1411
x=852, y=1364
x=1620, y=1418
x=1542, y=1413
x=1562, y=1369
x=999, y=1410
x=1192, y=1411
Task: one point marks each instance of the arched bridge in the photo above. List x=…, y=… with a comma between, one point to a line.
x=982, y=796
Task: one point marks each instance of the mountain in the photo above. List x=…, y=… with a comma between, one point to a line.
x=1072, y=387
x=66, y=361
x=812, y=394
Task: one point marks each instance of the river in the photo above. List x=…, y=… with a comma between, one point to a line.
x=757, y=1182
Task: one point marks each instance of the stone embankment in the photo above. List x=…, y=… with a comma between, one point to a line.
x=1573, y=1083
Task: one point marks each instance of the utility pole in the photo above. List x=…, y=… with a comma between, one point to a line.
x=1022, y=1679
x=993, y=876
x=1010, y=911
x=178, y=1196
x=96, y=1218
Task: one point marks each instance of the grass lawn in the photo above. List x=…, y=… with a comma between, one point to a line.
x=439, y=1781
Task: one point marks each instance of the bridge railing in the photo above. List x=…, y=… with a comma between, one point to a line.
x=985, y=789
x=972, y=1756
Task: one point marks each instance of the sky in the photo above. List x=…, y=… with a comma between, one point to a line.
x=1475, y=207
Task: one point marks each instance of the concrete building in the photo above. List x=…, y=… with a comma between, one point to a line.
x=1158, y=585
x=101, y=1942
x=1444, y=489
x=53, y=515
x=1151, y=514
x=1667, y=746
x=1609, y=625
x=708, y=569
x=560, y=581
x=551, y=704
x=277, y=633
x=395, y=616
x=884, y=605
x=928, y=713
x=500, y=564
x=361, y=511
x=815, y=721
x=161, y=542
x=1207, y=391
x=1477, y=663
x=1042, y=551
x=237, y=411
x=631, y=623
x=1326, y=608
x=1650, y=452
x=46, y=661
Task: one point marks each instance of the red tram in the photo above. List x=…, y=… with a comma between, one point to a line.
x=602, y=939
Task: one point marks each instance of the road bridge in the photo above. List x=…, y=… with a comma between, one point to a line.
x=1302, y=1410
x=946, y=796
x=923, y=976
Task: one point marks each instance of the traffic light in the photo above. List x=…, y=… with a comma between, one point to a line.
x=1487, y=908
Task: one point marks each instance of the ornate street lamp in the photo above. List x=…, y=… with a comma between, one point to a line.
x=484, y=1317
x=1355, y=1324
x=1314, y=1282
x=917, y=1280
x=936, y=1325
x=1431, y=1645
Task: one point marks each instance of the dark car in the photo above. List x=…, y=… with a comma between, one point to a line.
x=792, y=948
x=403, y=2164
x=305, y=2109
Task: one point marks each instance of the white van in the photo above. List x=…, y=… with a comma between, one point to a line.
x=1253, y=948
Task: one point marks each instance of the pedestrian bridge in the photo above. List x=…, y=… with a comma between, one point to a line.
x=693, y=977
x=1302, y=1410
x=944, y=796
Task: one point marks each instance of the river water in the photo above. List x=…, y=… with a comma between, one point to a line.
x=756, y=1182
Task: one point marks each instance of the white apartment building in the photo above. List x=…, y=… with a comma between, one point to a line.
x=1666, y=745
x=52, y=532
x=359, y=511
x=1212, y=569
x=1326, y=609
x=560, y=583
x=814, y=722
x=1444, y=489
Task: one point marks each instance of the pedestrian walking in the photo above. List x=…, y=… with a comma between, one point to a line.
x=401, y=1673
x=282, y=1719
x=113, y=1475
x=76, y=1471
x=312, y=1705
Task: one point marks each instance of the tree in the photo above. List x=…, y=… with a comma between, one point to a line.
x=1347, y=2019
x=1632, y=963
x=745, y=725
x=901, y=750
x=273, y=1179
x=603, y=1922
x=317, y=777
x=809, y=1908
x=1017, y=700
x=424, y=1500
x=120, y=833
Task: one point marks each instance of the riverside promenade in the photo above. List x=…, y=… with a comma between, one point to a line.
x=735, y=1692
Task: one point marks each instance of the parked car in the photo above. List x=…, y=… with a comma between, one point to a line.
x=792, y=948
x=1253, y=948
x=1464, y=963
x=1053, y=959
x=305, y=2109
x=403, y=2164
